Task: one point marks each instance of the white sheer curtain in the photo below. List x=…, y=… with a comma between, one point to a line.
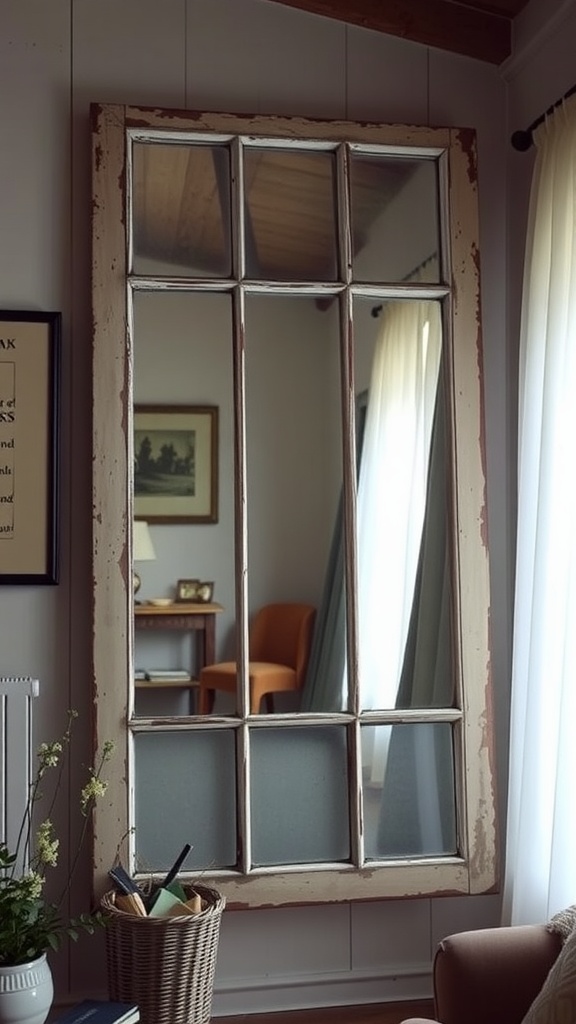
x=541, y=831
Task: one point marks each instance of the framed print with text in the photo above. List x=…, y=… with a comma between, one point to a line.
x=29, y=376
x=176, y=463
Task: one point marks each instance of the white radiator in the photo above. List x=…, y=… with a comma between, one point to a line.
x=16, y=752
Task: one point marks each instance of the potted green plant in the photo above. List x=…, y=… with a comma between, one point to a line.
x=30, y=924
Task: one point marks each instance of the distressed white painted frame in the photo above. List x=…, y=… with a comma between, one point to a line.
x=475, y=870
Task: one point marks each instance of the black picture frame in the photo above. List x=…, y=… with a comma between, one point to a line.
x=30, y=343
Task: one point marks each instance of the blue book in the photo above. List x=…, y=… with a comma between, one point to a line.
x=100, y=1011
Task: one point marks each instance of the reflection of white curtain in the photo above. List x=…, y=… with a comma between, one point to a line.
x=541, y=831
x=392, y=496
x=392, y=489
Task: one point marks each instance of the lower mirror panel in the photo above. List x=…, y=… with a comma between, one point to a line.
x=409, y=790
x=173, y=808
x=299, y=795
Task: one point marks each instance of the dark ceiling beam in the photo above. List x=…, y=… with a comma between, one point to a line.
x=439, y=23
x=506, y=8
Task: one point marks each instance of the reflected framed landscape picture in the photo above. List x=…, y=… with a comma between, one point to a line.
x=176, y=463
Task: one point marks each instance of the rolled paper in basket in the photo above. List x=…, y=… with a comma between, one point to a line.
x=131, y=903
x=195, y=903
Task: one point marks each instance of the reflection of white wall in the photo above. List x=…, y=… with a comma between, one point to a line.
x=293, y=452
x=366, y=331
x=183, y=356
x=393, y=251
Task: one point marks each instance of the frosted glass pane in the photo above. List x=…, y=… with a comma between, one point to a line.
x=181, y=210
x=299, y=792
x=409, y=792
x=174, y=807
x=395, y=223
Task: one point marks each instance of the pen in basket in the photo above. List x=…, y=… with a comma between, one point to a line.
x=176, y=866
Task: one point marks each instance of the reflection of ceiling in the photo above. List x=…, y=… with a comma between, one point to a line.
x=475, y=28
x=290, y=217
x=290, y=229
x=176, y=213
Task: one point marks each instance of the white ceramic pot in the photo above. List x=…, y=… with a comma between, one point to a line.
x=26, y=992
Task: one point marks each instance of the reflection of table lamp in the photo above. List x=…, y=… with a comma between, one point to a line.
x=142, y=548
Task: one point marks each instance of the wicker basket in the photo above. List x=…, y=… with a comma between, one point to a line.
x=164, y=964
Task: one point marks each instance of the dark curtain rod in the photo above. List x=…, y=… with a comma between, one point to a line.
x=522, y=140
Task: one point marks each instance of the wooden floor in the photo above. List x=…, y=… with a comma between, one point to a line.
x=373, y=1013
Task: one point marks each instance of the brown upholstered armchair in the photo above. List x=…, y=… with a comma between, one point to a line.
x=492, y=975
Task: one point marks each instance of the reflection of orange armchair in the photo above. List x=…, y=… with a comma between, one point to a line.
x=279, y=648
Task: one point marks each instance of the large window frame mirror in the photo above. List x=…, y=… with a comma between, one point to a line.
x=317, y=284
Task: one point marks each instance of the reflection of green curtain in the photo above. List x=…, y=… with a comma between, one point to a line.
x=427, y=678
x=324, y=689
x=417, y=814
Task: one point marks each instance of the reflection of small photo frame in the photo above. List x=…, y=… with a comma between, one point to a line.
x=187, y=590
x=204, y=592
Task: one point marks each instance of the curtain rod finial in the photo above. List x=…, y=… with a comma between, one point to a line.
x=522, y=140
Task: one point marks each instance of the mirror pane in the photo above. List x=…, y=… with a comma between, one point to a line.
x=395, y=218
x=183, y=357
x=181, y=210
x=409, y=801
x=187, y=354
x=299, y=795
x=294, y=454
x=404, y=561
x=290, y=215
x=169, y=811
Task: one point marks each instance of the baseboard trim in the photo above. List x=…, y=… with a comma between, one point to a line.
x=301, y=992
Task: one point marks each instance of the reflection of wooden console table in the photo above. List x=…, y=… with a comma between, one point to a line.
x=197, y=619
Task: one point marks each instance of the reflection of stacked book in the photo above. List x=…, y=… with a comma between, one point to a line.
x=94, y=1011
x=165, y=674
